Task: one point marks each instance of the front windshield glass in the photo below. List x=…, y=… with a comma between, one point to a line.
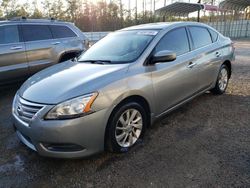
x=119, y=47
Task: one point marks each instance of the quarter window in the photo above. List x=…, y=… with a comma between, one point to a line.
x=9, y=34
x=214, y=35
x=36, y=32
x=61, y=31
x=176, y=41
x=200, y=36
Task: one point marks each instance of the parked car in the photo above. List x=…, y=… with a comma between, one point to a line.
x=28, y=46
x=108, y=97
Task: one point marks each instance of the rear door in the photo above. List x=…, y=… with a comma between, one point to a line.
x=13, y=62
x=67, y=38
x=207, y=55
x=174, y=81
x=41, y=49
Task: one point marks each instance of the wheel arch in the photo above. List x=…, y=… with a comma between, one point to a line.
x=229, y=66
x=132, y=98
x=68, y=55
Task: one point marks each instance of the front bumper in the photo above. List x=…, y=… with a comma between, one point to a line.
x=75, y=138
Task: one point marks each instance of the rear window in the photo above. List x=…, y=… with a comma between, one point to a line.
x=214, y=35
x=9, y=34
x=61, y=31
x=36, y=32
x=201, y=37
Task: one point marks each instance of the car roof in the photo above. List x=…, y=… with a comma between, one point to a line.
x=162, y=25
x=47, y=21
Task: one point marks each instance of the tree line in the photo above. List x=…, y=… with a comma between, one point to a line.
x=103, y=15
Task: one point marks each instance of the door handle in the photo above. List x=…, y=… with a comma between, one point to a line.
x=55, y=43
x=218, y=54
x=191, y=65
x=16, y=47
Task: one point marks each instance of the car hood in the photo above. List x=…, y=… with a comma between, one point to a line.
x=68, y=80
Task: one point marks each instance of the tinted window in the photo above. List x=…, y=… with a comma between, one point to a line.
x=9, y=34
x=61, y=31
x=36, y=32
x=214, y=35
x=176, y=41
x=200, y=36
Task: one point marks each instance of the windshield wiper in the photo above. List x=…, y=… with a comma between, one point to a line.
x=102, y=62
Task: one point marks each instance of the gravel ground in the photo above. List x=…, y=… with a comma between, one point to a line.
x=205, y=143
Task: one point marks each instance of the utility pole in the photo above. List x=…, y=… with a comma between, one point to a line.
x=198, y=16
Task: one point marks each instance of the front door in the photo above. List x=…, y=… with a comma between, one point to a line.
x=174, y=81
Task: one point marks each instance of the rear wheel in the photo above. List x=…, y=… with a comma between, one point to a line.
x=126, y=127
x=222, y=81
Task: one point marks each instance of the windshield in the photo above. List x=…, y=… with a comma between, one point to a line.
x=119, y=47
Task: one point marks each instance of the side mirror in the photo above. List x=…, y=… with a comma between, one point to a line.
x=163, y=56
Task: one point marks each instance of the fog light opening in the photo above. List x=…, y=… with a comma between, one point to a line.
x=63, y=147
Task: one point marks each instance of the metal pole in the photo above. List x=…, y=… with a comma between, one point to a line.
x=225, y=23
x=246, y=35
x=198, y=16
x=230, y=24
x=217, y=20
x=241, y=25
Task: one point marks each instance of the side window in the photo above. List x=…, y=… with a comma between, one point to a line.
x=61, y=31
x=9, y=34
x=214, y=35
x=176, y=41
x=36, y=32
x=200, y=36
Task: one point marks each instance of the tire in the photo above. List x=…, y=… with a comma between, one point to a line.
x=120, y=136
x=222, y=81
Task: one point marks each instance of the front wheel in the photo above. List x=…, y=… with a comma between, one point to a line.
x=222, y=81
x=126, y=127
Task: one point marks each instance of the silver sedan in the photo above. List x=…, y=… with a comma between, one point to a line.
x=106, y=99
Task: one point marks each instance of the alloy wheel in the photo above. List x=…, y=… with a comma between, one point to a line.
x=128, y=128
x=223, y=79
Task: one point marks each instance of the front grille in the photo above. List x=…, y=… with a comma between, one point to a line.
x=26, y=110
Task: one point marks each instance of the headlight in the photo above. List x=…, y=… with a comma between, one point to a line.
x=72, y=108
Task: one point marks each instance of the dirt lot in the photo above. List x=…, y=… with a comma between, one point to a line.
x=205, y=143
